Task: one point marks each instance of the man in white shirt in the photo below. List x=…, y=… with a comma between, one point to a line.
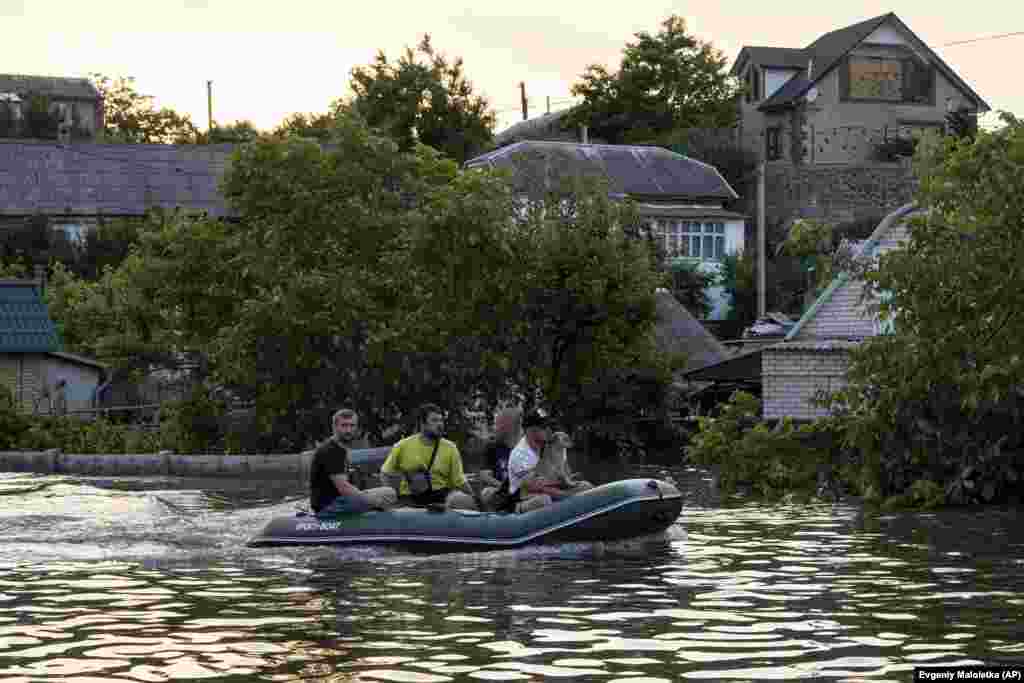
x=526, y=490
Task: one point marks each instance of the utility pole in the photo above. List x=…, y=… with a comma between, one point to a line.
x=209, y=105
x=522, y=95
x=761, y=260
x=549, y=103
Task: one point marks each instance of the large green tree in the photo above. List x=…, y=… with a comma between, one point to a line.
x=667, y=81
x=361, y=274
x=424, y=97
x=131, y=117
x=940, y=397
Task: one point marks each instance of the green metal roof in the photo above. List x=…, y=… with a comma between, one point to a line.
x=25, y=324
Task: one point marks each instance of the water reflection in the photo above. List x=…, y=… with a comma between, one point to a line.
x=145, y=582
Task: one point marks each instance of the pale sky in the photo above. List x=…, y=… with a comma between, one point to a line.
x=267, y=60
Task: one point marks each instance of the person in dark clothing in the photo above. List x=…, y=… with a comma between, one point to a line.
x=330, y=490
x=506, y=434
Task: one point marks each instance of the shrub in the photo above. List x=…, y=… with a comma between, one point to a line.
x=771, y=460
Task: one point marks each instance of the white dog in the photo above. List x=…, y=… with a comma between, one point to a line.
x=554, y=464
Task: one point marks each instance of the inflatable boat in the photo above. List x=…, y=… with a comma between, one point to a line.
x=614, y=511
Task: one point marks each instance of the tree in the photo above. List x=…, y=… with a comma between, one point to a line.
x=130, y=117
x=314, y=126
x=667, y=81
x=689, y=284
x=940, y=397
x=233, y=133
x=428, y=101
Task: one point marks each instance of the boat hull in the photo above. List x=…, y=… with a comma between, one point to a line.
x=619, y=510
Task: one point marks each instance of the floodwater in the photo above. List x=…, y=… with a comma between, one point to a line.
x=150, y=580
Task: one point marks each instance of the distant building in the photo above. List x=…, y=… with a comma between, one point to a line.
x=40, y=377
x=682, y=199
x=75, y=102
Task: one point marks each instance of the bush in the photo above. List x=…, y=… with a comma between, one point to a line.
x=770, y=459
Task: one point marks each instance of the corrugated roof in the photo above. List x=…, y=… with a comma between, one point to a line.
x=639, y=171
x=88, y=178
x=51, y=86
x=25, y=324
x=865, y=249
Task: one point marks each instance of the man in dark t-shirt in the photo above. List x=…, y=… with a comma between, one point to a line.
x=506, y=434
x=330, y=491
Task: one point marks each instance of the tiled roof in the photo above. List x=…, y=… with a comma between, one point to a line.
x=87, y=179
x=771, y=56
x=52, y=86
x=633, y=170
x=25, y=324
x=543, y=127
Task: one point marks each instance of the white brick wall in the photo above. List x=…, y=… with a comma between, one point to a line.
x=792, y=378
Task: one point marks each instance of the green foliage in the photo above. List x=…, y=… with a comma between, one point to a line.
x=785, y=280
x=314, y=126
x=235, y=133
x=39, y=122
x=770, y=460
x=366, y=276
x=939, y=398
x=194, y=424
x=429, y=102
x=666, y=81
x=131, y=117
x=689, y=284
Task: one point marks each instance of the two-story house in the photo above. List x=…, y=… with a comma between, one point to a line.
x=682, y=199
x=74, y=103
x=840, y=97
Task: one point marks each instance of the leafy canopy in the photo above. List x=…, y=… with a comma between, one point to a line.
x=131, y=117
x=423, y=97
x=670, y=80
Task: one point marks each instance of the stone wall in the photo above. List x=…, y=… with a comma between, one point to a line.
x=832, y=193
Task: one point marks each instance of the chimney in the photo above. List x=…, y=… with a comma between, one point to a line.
x=583, y=134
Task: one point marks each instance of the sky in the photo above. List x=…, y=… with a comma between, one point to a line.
x=267, y=60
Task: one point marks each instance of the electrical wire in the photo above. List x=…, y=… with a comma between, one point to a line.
x=983, y=38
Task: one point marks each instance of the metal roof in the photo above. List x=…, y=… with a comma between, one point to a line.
x=25, y=324
x=635, y=170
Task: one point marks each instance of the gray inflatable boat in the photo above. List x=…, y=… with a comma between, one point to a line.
x=613, y=511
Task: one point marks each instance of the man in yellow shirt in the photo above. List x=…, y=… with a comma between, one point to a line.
x=426, y=468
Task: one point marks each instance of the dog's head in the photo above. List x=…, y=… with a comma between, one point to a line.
x=562, y=440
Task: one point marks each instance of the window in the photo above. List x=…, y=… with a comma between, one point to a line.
x=773, y=143
x=690, y=239
x=889, y=79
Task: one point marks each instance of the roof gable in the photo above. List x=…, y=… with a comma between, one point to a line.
x=25, y=324
x=866, y=249
x=678, y=331
x=630, y=170
x=828, y=51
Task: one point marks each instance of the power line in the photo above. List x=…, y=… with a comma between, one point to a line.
x=977, y=40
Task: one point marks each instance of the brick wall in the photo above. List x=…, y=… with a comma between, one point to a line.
x=793, y=377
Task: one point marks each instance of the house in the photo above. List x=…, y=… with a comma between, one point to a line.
x=76, y=102
x=814, y=355
x=75, y=186
x=682, y=199
x=851, y=90
x=39, y=375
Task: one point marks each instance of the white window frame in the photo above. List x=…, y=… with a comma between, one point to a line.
x=688, y=238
